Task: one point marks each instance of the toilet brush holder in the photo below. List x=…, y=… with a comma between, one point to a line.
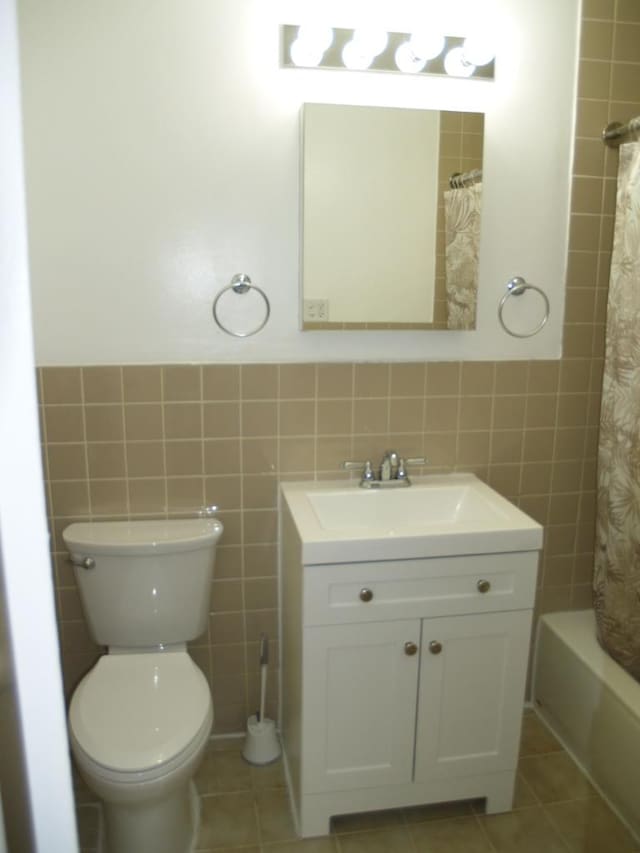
x=261, y=745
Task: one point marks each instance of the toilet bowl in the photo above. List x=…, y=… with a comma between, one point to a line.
x=139, y=721
x=142, y=772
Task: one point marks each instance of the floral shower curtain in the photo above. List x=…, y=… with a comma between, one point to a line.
x=617, y=562
x=462, y=225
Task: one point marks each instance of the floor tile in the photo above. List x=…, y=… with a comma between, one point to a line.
x=555, y=777
x=536, y=739
x=269, y=776
x=228, y=850
x=274, y=815
x=223, y=771
x=589, y=826
x=523, y=794
x=394, y=840
x=245, y=809
x=461, y=835
x=523, y=831
x=306, y=845
x=228, y=820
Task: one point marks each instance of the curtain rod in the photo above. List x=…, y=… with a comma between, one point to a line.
x=615, y=132
x=465, y=179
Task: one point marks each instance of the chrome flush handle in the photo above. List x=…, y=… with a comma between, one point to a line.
x=82, y=562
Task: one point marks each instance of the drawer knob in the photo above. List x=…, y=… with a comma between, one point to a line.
x=435, y=647
x=483, y=586
x=410, y=648
x=366, y=594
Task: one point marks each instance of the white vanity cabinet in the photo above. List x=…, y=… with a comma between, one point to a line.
x=403, y=680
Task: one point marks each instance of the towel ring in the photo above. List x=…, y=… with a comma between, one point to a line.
x=516, y=287
x=241, y=284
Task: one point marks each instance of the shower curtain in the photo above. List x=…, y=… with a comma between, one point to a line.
x=617, y=559
x=462, y=225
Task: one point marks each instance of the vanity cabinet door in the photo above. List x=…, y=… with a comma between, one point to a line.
x=472, y=680
x=360, y=687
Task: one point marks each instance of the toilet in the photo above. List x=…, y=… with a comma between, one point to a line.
x=139, y=721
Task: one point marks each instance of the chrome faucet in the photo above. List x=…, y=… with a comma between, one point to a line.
x=392, y=472
x=389, y=466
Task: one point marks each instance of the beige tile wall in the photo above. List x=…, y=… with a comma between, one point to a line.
x=166, y=440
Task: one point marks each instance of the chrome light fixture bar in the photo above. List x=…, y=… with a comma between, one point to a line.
x=424, y=52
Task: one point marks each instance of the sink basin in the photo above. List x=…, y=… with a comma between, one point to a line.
x=427, y=504
x=440, y=515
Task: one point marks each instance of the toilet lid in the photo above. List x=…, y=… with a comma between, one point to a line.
x=135, y=712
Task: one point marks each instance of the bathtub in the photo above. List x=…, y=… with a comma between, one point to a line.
x=592, y=706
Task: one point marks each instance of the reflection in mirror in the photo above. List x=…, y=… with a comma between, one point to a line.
x=375, y=246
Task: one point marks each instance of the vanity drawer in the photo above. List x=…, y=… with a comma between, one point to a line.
x=402, y=589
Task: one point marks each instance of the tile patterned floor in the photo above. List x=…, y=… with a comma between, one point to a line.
x=245, y=810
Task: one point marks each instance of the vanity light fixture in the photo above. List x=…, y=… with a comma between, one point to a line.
x=425, y=51
x=479, y=49
x=456, y=65
x=310, y=45
x=364, y=46
x=413, y=55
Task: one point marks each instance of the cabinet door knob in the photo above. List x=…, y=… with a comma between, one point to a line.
x=435, y=647
x=410, y=648
x=483, y=585
x=366, y=594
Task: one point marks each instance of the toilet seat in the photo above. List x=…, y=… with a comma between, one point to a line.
x=134, y=717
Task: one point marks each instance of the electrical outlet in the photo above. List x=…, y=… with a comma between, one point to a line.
x=316, y=310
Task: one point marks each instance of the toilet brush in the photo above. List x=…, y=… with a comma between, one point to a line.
x=264, y=661
x=261, y=745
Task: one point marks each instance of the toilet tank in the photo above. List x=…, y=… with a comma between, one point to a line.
x=144, y=583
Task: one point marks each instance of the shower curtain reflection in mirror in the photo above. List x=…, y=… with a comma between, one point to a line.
x=462, y=209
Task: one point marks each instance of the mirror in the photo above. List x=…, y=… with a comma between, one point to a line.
x=376, y=250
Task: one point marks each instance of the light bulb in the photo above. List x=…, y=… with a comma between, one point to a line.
x=426, y=45
x=305, y=55
x=371, y=40
x=355, y=58
x=318, y=37
x=478, y=50
x=407, y=61
x=456, y=65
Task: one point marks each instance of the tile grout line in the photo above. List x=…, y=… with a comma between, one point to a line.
x=484, y=833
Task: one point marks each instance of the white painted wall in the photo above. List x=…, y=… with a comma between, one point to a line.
x=162, y=158
x=25, y=567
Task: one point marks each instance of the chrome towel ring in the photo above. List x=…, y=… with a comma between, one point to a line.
x=516, y=287
x=241, y=284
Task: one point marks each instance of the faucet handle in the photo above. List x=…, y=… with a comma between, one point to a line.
x=416, y=460
x=368, y=473
x=365, y=467
x=353, y=466
x=403, y=463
